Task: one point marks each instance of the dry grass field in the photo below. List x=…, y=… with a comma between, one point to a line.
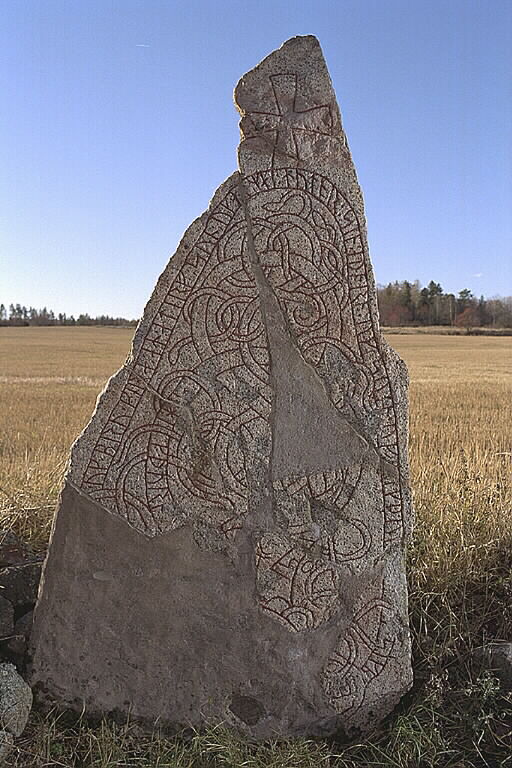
x=459, y=561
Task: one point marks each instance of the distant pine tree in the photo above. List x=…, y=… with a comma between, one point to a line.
x=20, y=315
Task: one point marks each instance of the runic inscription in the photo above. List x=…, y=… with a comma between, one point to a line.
x=202, y=372
x=253, y=448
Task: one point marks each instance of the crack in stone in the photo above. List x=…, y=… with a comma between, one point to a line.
x=83, y=494
x=266, y=291
x=260, y=283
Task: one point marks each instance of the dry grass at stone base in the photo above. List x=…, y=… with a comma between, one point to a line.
x=460, y=558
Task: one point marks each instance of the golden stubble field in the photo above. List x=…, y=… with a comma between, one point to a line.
x=460, y=556
x=460, y=414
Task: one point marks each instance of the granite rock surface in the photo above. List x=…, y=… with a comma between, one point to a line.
x=15, y=700
x=230, y=539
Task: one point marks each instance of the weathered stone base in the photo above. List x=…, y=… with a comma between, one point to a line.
x=156, y=658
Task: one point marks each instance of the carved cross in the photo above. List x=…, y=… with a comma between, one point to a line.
x=292, y=132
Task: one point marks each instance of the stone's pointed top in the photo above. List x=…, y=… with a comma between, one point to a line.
x=299, y=47
x=289, y=112
x=299, y=57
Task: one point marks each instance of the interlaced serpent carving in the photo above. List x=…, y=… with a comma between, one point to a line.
x=361, y=655
x=194, y=415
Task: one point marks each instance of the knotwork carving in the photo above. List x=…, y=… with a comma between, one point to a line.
x=196, y=410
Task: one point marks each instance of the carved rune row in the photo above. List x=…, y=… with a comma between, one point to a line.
x=192, y=423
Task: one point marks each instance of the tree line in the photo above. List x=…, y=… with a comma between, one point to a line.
x=405, y=303
x=400, y=304
x=16, y=314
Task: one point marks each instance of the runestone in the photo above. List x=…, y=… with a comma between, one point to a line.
x=229, y=545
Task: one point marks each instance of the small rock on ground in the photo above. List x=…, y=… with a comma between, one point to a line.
x=20, y=583
x=21, y=634
x=497, y=658
x=15, y=700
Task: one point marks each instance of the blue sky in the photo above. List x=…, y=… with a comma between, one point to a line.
x=117, y=124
